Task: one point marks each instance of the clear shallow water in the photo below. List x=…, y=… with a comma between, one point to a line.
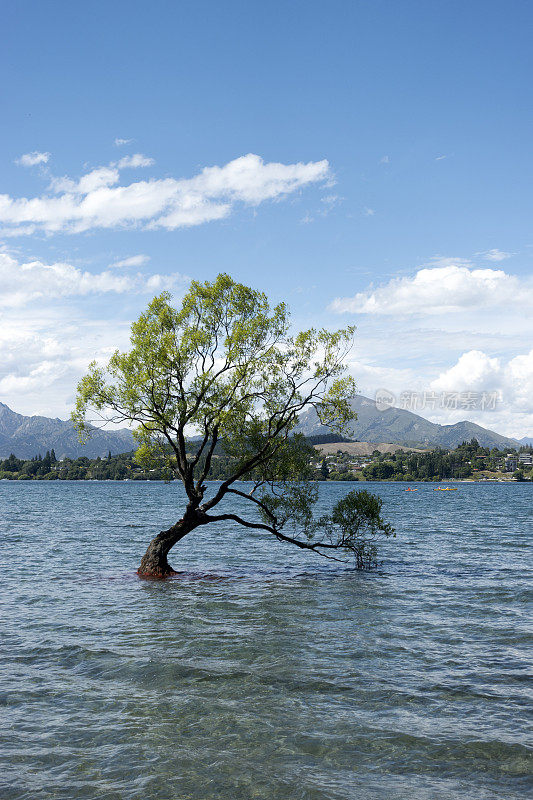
x=262, y=672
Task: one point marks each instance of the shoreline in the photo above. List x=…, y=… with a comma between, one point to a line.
x=177, y=480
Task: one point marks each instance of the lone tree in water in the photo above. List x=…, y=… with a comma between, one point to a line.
x=225, y=367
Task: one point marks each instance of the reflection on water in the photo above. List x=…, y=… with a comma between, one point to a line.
x=261, y=671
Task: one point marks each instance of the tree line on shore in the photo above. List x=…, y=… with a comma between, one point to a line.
x=437, y=464
x=465, y=461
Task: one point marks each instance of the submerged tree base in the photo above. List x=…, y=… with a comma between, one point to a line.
x=156, y=573
x=154, y=563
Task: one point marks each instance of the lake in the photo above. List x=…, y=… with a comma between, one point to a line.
x=263, y=672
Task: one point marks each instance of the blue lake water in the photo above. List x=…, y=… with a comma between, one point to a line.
x=263, y=672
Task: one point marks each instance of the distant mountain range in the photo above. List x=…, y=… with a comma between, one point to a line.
x=29, y=436
x=397, y=426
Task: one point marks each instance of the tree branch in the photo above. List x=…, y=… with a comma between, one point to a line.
x=314, y=546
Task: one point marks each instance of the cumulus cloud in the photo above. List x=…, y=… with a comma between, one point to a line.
x=97, y=200
x=454, y=328
x=519, y=377
x=474, y=371
x=132, y=261
x=506, y=383
x=24, y=282
x=441, y=290
x=99, y=178
x=120, y=142
x=32, y=159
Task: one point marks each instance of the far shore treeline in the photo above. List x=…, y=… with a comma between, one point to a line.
x=467, y=461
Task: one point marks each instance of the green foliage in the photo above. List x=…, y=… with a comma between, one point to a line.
x=345, y=475
x=225, y=365
x=12, y=464
x=39, y=468
x=291, y=506
x=382, y=470
x=353, y=526
x=469, y=459
x=357, y=522
x=299, y=455
x=436, y=464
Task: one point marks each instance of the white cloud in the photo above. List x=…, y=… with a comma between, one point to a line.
x=35, y=378
x=160, y=283
x=44, y=353
x=495, y=255
x=24, y=282
x=99, y=178
x=449, y=327
x=54, y=321
x=134, y=161
x=96, y=201
x=32, y=159
x=132, y=261
x=384, y=160
x=510, y=377
x=120, y=142
x=440, y=158
x=441, y=290
x=369, y=212
x=474, y=371
x=519, y=376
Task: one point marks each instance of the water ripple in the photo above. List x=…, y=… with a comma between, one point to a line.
x=259, y=671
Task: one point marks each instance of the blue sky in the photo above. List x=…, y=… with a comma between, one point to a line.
x=417, y=228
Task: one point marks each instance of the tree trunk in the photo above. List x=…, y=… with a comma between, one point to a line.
x=154, y=563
